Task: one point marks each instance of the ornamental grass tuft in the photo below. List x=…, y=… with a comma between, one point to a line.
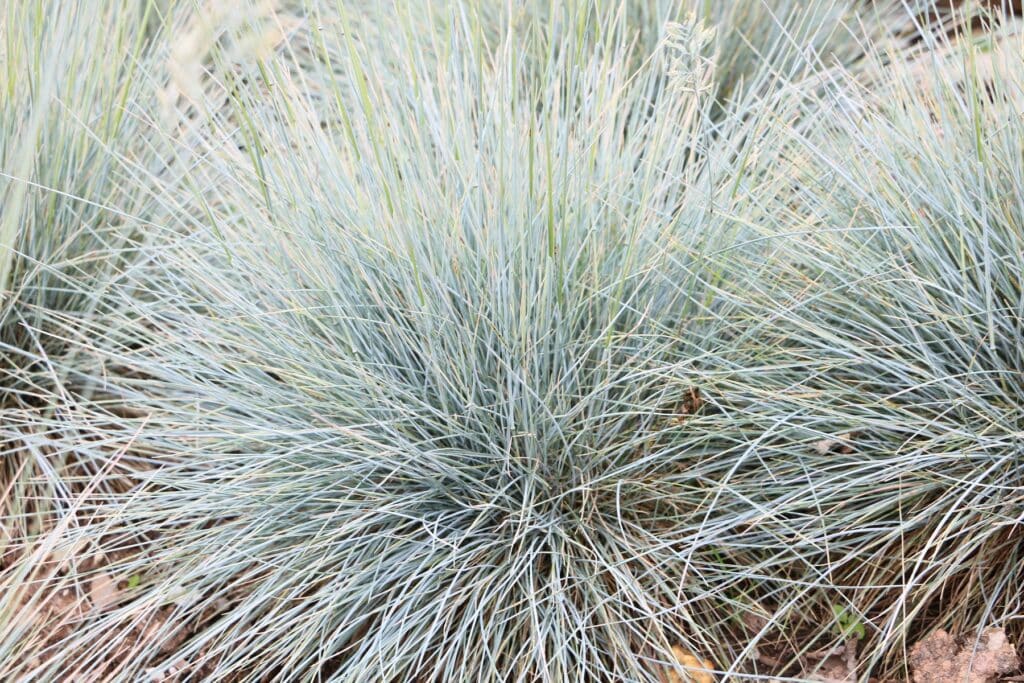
x=439, y=388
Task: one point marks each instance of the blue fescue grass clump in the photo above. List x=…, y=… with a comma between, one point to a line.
x=73, y=149
x=907, y=310
x=439, y=393
x=491, y=341
x=82, y=167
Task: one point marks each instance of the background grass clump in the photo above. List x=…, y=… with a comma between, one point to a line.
x=84, y=168
x=905, y=306
x=72, y=148
x=644, y=340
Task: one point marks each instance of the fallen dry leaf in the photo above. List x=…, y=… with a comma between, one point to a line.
x=103, y=590
x=837, y=663
x=693, y=668
x=840, y=443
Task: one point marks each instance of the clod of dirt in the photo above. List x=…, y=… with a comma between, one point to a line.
x=693, y=668
x=939, y=658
